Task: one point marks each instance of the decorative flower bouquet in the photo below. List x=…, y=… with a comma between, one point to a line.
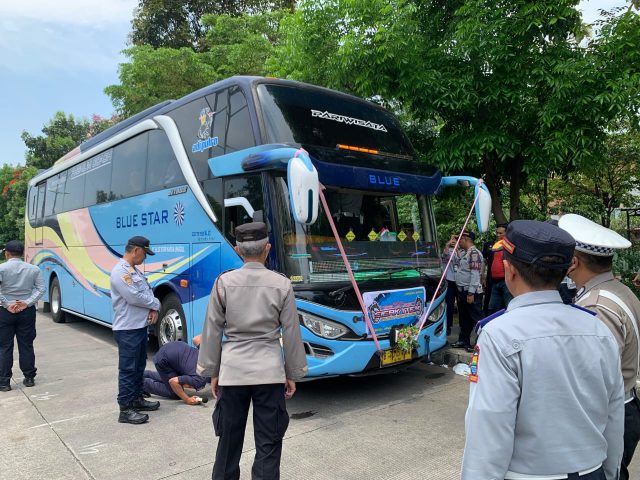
x=407, y=339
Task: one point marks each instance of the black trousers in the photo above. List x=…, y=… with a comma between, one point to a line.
x=22, y=326
x=470, y=314
x=270, y=422
x=132, y=359
x=631, y=435
x=450, y=299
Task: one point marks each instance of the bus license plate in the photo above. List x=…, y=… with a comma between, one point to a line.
x=389, y=357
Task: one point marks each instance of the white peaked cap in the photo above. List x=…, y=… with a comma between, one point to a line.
x=591, y=237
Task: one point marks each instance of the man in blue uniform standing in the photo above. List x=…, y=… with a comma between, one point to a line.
x=134, y=309
x=176, y=364
x=21, y=286
x=547, y=397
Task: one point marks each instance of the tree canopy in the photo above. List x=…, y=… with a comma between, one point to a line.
x=511, y=92
x=172, y=24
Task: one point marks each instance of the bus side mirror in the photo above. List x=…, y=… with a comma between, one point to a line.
x=303, y=188
x=483, y=207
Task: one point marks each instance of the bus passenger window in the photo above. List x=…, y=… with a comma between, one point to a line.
x=129, y=167
x=163, y=168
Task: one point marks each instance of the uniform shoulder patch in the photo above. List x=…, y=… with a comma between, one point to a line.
x=473, y=366
x=488, y=319
x=126, y=278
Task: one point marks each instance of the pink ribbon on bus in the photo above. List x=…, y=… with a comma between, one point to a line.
x=348, y=266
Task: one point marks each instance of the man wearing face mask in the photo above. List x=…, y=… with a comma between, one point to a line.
x=615, y=304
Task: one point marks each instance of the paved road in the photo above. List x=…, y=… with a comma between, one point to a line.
x=407, y=425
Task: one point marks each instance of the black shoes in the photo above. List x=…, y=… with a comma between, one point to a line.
x=129, y=415
x=28, y=382
x=460, y=344
x=5, y=388
x=142, y=405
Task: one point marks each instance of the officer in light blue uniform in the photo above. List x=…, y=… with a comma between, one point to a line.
x=546, y=399
x=134, y=309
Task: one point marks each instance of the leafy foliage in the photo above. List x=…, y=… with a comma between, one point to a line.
x=173, y=24
x=512, y=92
x=61, y=134
x=232, y=46
x=13, y=194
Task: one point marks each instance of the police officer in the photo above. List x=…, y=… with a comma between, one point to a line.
x=134, y=309
x=21, y=286
x=176, y=364
x=254, y=308
x=546, y=398
x=468, y=282
x=615, y=304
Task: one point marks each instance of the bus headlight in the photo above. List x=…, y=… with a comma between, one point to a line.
x=322, y=327
x=437, y=313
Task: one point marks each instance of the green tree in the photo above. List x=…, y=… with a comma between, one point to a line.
x=61, y=134
x=514, y=95
x=234, y=46
x=173, y=24
x=13, y=194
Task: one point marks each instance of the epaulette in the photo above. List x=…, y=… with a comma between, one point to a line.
x=480, y=325
x=583, y=309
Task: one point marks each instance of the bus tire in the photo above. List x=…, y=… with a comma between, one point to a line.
x=55, y=301
x=172, y=325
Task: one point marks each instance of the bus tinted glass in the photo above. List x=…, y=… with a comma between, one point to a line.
x=311, y=117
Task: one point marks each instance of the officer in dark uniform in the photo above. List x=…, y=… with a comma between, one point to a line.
x=134, y=309
x=254, y=309
x=547, y=397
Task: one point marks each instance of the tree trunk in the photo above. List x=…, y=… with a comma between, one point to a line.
x=493, y=184
x=515, y=185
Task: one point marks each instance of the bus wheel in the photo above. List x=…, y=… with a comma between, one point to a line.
x=55, y=300
x=171, y=326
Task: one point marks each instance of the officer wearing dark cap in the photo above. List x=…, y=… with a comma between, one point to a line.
x=21, y=286
x=546, y=398
x=134, y=309
x=259, y=361
x=615, y=304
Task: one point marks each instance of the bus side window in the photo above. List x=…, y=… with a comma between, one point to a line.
x=163, y=168
x=239, y=133
x=220, y=120
x=33, y=203
x=42, y=188
x=97, y=183
x=129, y=167
x=212, y=189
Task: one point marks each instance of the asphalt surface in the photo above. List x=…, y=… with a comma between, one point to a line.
x=406, y=425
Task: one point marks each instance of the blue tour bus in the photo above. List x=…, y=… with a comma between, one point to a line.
x=185, y=173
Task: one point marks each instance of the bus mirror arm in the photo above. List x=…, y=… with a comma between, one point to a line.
x=481, y=196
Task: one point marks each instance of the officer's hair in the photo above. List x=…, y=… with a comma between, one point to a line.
x=538, y=276
x=253, y=248
x=129, y=248
x=595, y=263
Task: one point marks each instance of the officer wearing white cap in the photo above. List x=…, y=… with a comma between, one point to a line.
x=615, y=304
x=134, y=309
x=546, y=398
x=259, y=361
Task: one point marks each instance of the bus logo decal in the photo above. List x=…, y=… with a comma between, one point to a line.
x=178, y=214
x=348, y=120
x=206, y=141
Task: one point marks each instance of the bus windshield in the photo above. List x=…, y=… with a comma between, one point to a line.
x=383, y=235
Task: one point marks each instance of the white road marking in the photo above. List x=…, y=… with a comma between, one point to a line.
x=44, y=396
x=91, y=449
x=57, y=421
